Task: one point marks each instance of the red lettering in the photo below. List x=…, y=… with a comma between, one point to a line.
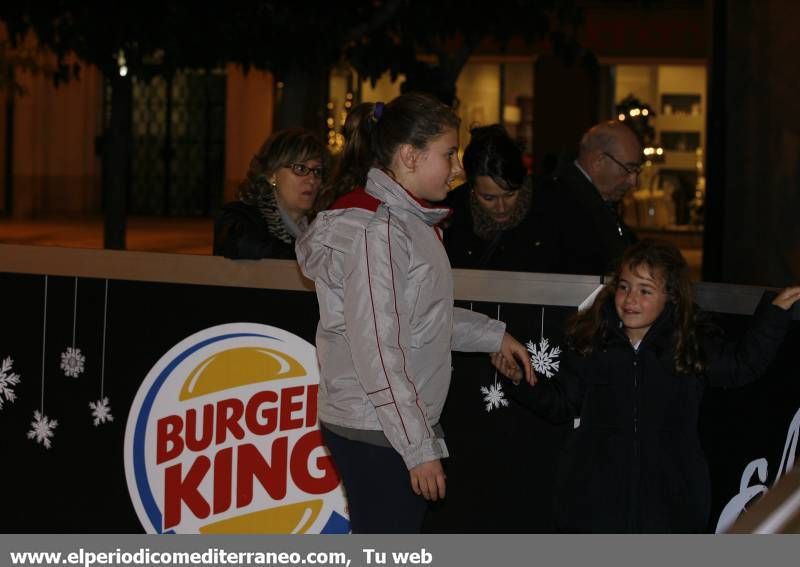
x=179, y=490
x=229, y=412
x=250, y=464
x=301, y=455
x=169, y=443
x=311, y=405
x=223, y=479
x=192, y=441
x=289, y=405
x=268, y=422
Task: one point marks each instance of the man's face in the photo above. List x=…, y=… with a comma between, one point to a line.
x=616, y=172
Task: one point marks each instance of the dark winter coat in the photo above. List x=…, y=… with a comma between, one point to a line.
x=586, y=233
x=635, y=463
x=523, y=248
x=241, y=232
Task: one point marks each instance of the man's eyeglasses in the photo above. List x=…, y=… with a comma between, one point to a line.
x=629, y=170
x=302, y=170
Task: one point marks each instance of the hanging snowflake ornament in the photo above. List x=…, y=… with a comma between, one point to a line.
x=8, y=380
x=42, y=429
x=72, y=362
x=494, y=396
x=543, y=358
x=101, y=412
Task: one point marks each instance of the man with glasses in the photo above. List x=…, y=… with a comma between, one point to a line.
x=582, y=200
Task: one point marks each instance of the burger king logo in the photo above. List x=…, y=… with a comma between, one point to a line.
x=223, y=437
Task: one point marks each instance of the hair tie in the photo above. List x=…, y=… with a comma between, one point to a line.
x=377, y=111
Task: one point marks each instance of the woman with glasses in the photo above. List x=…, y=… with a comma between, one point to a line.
x=274, y=199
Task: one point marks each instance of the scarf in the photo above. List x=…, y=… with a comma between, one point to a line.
x=486, y=227
x=267, y=205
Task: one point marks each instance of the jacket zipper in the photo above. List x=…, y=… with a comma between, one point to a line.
x=633, y=510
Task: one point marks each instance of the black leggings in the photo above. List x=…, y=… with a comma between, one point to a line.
x=377, y=486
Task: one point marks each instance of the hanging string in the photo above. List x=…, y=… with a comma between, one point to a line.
x=44, y=341
x=541, y=335
x=103, y=361
x=74, y=311
x=496, y=381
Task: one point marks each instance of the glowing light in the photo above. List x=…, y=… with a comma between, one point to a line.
x=122, y=63
x=621, y=117
x=660, y=151
x=645, y=112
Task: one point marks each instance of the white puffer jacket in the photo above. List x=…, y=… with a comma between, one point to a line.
x=387, y=321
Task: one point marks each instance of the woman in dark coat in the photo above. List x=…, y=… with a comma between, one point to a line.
x=635, y=373
x=494, y=224
x=274, y=200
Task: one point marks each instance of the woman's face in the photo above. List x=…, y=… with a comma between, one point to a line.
x=494, y=200
x=298, y=185
x=640, y=298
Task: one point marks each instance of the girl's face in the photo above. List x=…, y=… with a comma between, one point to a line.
x=297, y=186
x=435, y=167
x=640, y=299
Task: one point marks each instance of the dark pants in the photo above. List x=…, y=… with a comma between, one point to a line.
x=377, y=486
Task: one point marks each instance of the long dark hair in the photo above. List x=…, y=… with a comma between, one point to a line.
x=351, y=169
x=492, y=153
x=589, y=328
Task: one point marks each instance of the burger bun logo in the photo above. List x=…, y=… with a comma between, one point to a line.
x=223, y=437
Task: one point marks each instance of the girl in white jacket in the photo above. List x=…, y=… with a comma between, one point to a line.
x=387, y=321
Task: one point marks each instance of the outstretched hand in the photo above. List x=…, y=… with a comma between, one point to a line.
x=512, y=355
x=787, y=297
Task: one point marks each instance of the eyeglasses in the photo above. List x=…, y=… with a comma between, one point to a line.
x=302, y=170
x=629, y=170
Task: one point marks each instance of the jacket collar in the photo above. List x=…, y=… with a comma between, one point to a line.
x=388, y=191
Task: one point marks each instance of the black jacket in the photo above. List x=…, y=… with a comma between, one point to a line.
x=523, y=248
x=586, y=233
x=635, y=463
x=241, y=232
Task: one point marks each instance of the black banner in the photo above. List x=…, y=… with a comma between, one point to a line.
x=502, y=457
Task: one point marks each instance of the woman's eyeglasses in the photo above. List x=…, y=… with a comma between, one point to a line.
x=302, y=170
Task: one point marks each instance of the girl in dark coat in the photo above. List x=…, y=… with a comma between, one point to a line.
x=635, y=372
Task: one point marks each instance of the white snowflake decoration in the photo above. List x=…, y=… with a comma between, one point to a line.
x=494, y=396
x=543, y=358
x=101, y=412
x=8, y=380
x=42, y=429
x=72, y=361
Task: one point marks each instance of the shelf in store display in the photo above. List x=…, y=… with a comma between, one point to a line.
x=681, y=160
x=680, y=122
